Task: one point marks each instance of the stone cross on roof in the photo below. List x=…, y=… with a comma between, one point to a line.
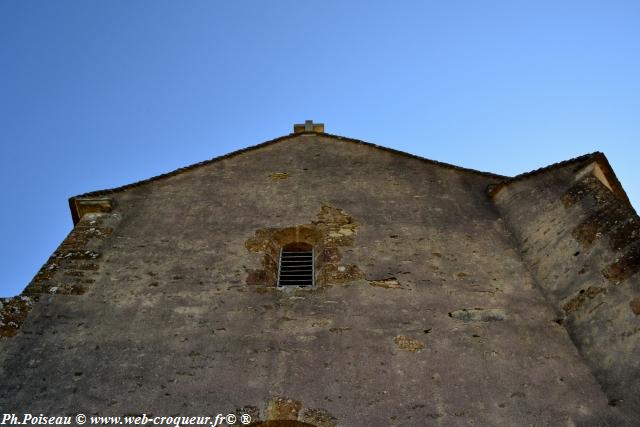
x=308, y=126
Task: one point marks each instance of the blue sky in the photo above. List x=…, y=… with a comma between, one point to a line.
x=95, y=94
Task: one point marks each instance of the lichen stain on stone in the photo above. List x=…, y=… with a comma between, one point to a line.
x=280, y=408
x=336, y=274
x=587, y=232
x=610, y=214
x=63, y=273
x=285, y=412
x=625, y=266
x=36, y=288
x=388, y=283
x=613, y=218
x=576, y=302
x=634, y=304
x=578, y=191
x=278, y=176
x=72, y=258
x=318, y=418
x=479, y=314
x=250, y=410
x=262, y=290
x=613, y=221
x=330, y=255
x=88, y=266
x=332, y=229
x=408, y=344
x=13, y=311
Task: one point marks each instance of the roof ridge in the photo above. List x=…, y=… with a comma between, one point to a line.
x=270, y=142
x=493, y=189
x=415, y=156
x=556, y=165
x=597, y=156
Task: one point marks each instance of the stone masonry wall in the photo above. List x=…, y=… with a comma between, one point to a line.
x=70, y=270
x=582, y=244
x=424, y=311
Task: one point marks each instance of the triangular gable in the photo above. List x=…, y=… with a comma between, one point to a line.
x=594, y=163
x=98, y=201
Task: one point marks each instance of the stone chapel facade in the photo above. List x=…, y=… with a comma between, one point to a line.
x=432, y=294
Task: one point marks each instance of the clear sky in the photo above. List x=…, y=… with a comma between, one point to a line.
x=97, y=94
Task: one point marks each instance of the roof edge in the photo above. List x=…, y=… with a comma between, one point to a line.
x=494, y=189
x=596, y=157
x=274, y=141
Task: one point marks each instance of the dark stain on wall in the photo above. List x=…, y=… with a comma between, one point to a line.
x=609, y=217
x=583, y=296
x=13, y=311
x=625, y=266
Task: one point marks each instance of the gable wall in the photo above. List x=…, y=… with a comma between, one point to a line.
x=171, y=326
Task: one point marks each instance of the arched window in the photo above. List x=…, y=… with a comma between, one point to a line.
x=296, y=266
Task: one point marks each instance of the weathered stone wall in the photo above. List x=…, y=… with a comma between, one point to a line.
x=70, y=270
x=424, y=314
x=582, y=243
